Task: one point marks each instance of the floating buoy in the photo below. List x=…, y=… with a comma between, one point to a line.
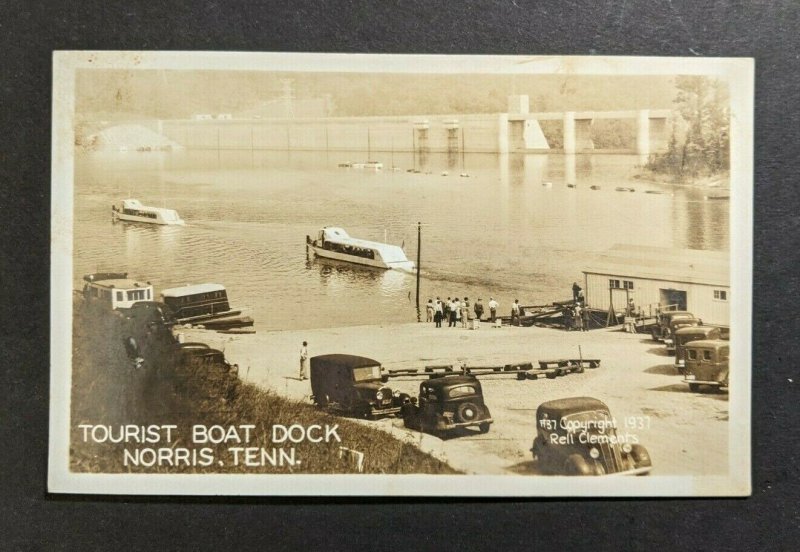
x=571, y=186
x=595, y=187
x=464, y=175
x=445, y=173
x=547, y=184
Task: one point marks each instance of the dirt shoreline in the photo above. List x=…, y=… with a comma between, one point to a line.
x=686, y=433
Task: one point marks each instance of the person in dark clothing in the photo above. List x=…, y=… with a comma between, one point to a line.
x=575, y=291
x=478, y=309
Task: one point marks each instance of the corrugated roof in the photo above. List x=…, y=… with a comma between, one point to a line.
x=662, y=263
x=192, y=290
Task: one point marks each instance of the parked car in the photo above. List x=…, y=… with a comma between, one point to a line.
x=688, y=334
x=707, y=363
x=661, y=329
x=200, y=368
x=577, y=436
x=677, y=323
x=353, y=385
x=446, y=403
x=145, y=312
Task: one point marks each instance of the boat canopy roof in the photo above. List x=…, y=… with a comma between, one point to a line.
x=121, y=283
x=389, y=253
x=132, y=204
x=136, y=205
x=195, y=289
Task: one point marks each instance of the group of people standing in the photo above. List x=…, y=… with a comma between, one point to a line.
x=458, y=312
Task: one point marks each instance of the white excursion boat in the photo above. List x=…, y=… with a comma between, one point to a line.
x=335, y=243
x=133, y=211
x=115, y=290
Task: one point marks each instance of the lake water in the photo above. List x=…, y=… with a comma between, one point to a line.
x=502, y=232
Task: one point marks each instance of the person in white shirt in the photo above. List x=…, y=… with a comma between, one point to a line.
x=493, y=308
x=515, y=312
x=303, y=360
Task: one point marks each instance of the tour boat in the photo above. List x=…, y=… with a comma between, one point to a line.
x=133, y=211
x=335, y=243
x=115, y=290
x=204, y=304
x=375, y=165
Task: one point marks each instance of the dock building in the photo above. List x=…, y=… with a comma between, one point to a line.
x=658, y=277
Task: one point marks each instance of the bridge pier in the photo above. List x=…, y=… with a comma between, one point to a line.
x=569, y=132
x=577, y=133
x=643, y=132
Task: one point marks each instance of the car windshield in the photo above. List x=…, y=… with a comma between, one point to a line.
x=366, y=373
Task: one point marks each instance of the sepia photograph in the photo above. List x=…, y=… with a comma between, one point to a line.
x=341, y=274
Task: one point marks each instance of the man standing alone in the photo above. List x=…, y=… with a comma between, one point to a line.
x=303, y=360
x=478, y=309
x=492, y=308
x=515, y=312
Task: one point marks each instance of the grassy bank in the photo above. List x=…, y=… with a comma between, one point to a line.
x=109, y=390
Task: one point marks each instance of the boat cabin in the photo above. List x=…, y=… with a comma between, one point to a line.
x=335, y=243
x=116, y=290
x=196, y=300
x=133, y=210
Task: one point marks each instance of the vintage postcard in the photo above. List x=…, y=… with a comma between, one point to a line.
x=311, y=274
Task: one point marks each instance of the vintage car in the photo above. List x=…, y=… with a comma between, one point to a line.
x=677, y=323
x=352, y=385
x=199, y=368
x=662, y=328
x=688, y=334
x=578, y=436
x=446, y=403
x=706, y=363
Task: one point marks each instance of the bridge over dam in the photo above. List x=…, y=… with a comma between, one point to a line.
x=517, y=130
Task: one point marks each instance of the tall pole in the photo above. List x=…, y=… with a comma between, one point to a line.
x=419, y=249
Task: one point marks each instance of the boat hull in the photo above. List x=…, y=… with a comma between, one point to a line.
x=146, y=220
x=354, y=259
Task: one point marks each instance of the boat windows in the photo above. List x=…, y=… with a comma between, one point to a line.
x=120, y=296
x=134, y=295
x=348, y=249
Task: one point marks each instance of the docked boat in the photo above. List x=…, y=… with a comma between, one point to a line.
x=205, y=304
x=335, y=243
x=115, y=290
x=133, y=211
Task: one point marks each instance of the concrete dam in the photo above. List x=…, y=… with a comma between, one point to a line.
x=517, y=130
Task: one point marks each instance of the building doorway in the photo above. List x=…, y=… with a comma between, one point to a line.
x=674, y=299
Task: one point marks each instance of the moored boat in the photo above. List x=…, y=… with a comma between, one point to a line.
x=115, y=290
x=334, y=243
x=132, y=210
x=204, y=303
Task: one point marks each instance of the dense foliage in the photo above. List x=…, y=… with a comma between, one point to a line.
x=700, y=141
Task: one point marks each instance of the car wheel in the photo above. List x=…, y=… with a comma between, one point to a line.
x=553, y=374
x=576, y=465
x=640, y=456
x=694, y=387
x=467, y=412
x=654, y=334
x=484, y=427
x=535, y=450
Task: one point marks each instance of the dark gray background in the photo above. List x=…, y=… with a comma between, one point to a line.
x=30, y=519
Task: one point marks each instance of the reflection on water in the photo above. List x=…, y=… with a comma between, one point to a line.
x=510, y=229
